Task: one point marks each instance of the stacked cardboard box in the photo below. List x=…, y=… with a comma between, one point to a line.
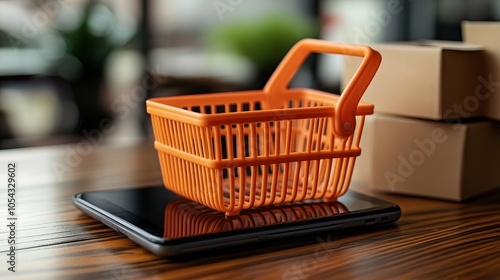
x=433, y=133
x=487, y=34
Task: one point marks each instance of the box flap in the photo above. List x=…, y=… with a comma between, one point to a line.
x=487, y=34
x=451, y=45
x=441, y=45
x=481, y=32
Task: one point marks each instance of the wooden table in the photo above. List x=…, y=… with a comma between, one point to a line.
x=433, y=240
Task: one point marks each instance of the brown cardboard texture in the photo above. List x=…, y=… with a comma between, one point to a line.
x=450, y=161
x=431, y=80
x=488, y=35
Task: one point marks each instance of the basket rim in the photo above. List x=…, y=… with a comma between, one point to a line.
x=169, y=107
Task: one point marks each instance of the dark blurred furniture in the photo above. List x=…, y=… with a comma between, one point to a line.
x=66, y=103
x=63, y=125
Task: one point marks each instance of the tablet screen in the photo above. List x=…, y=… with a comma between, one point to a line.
x=164, y=214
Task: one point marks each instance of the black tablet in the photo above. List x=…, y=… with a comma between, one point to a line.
x=169, y=225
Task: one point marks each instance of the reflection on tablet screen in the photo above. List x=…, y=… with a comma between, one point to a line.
x=187, y=218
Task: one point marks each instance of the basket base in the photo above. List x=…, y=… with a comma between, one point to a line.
x=331, y=199
x=232, y=213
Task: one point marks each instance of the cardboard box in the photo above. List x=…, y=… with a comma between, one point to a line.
x=453, y=161
x=432, y=80
x=488, y=35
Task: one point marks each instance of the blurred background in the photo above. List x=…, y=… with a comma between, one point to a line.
x=73, y=70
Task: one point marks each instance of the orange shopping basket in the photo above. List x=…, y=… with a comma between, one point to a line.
x=239, y=150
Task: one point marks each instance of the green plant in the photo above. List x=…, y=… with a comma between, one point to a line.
x=264, y=41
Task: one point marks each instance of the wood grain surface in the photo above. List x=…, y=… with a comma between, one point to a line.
x=433, y=239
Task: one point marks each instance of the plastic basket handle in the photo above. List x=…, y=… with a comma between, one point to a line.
x=345, y=108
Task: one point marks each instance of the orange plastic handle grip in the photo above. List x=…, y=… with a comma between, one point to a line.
x=345, y=108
